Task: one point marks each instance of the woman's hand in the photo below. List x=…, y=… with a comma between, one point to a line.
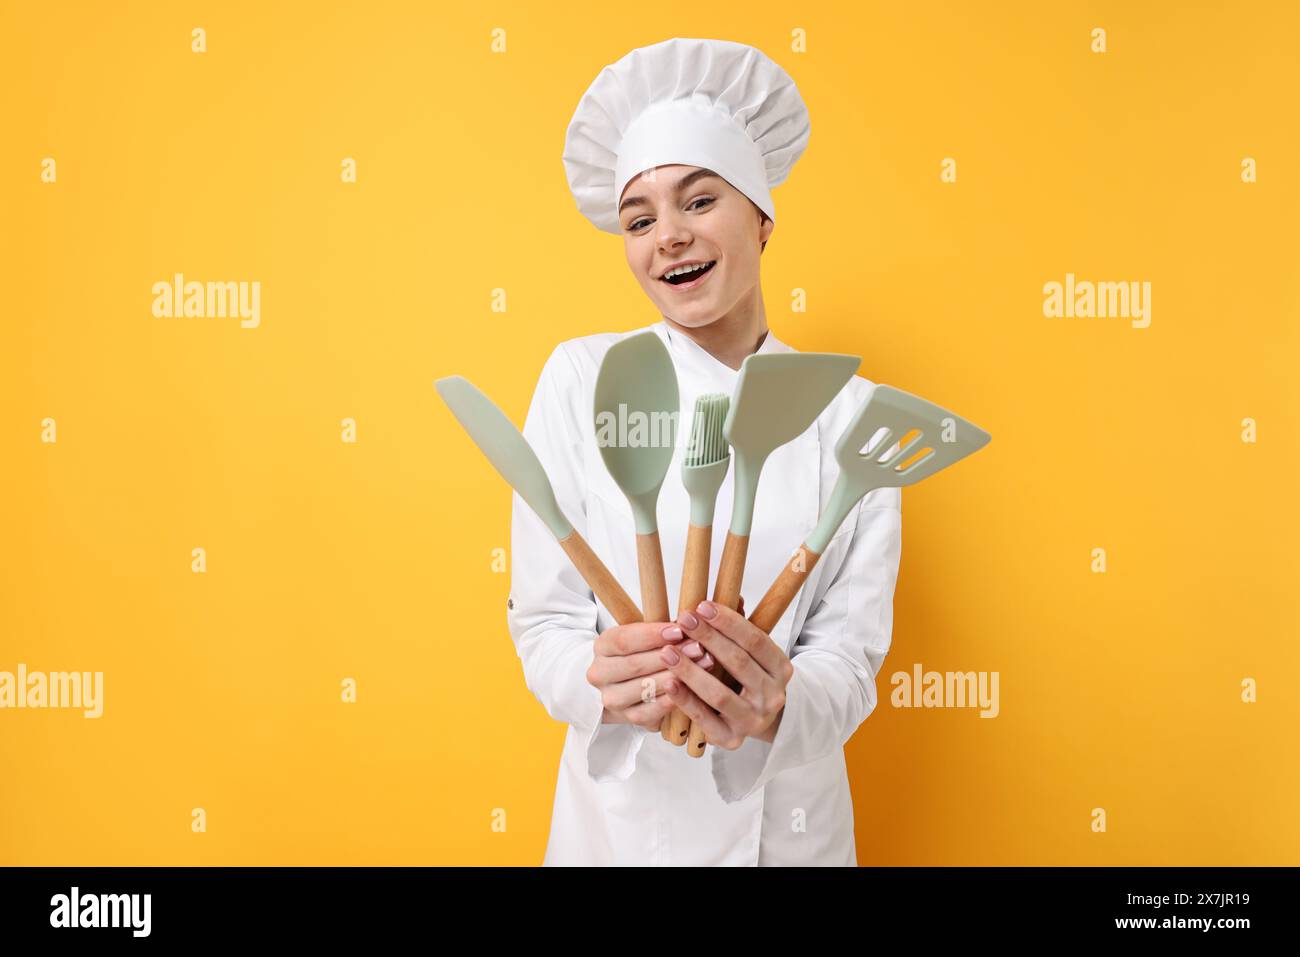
x=750, y=656
x=630, y=675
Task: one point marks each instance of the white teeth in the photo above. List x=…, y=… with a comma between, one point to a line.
x=682, y=269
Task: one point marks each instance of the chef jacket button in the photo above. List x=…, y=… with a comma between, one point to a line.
x=510, y=603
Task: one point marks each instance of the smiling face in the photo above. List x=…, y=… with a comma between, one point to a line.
x=675, y=215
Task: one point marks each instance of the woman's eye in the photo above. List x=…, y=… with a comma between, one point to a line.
x=637, y=224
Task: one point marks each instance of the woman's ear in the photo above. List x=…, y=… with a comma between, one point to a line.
x=765, y=228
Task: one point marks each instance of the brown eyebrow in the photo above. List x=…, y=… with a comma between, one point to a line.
x=682, y=184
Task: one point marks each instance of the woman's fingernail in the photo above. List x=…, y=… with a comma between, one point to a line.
x=671, y=656
x=706, y=609
x=706, y=661
x=692, y=649
x=672, y=633
x=688, y=620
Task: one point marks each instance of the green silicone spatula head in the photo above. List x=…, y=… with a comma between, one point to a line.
x=778, y=395
x=636, y=408
x=894, y=439
x=512, y=456
x=507, y=450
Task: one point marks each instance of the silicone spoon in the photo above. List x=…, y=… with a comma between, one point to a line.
x=636, y=408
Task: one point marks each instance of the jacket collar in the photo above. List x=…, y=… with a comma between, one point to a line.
x=696, y=361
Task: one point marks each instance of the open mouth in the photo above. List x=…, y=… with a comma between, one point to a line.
x=694, y=275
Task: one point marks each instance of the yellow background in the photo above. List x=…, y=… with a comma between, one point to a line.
x=328, y=560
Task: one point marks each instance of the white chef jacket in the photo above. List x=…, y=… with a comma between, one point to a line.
x=624, y=795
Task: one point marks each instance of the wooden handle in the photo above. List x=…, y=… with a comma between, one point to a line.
x=695, y=567
x=695, y=741
x=783, y=590
x=726, y=591
x=731, y=570
x=599, y=580
x=695, y=588
x=765, y=616
x=654, y=590
x=679, y=727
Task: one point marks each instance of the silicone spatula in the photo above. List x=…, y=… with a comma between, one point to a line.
x=636, y=407
x=778, y=396
x=512, y=456
x=927, y=438
x=704, y=467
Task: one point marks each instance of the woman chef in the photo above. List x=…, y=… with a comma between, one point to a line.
x=675, y=147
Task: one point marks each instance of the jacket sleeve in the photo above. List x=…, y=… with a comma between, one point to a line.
x=839, y=651
x=552, y=614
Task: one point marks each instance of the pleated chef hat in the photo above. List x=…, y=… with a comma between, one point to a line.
x=711, y=103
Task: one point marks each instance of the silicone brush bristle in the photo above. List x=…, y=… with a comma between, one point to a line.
x=708, y=444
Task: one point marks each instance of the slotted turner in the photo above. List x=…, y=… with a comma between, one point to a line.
x=944, y=435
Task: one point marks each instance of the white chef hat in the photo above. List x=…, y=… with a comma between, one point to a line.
x=711, y=103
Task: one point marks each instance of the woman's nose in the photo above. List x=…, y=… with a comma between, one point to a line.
x=670, y=232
